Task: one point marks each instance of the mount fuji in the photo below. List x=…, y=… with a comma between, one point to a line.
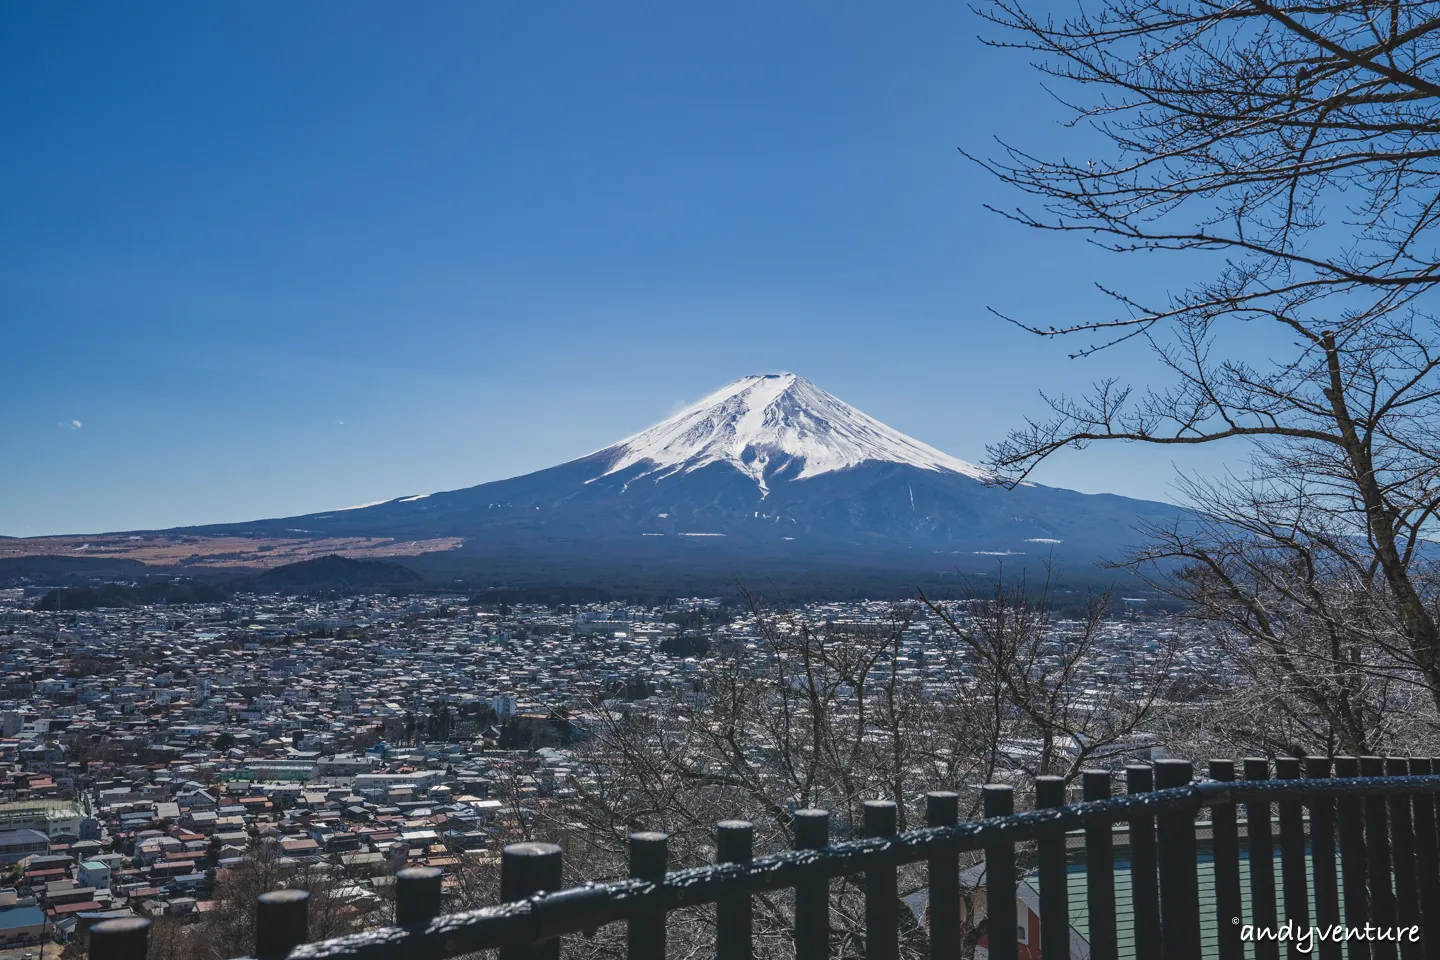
x=776, y=425
x=769, y=473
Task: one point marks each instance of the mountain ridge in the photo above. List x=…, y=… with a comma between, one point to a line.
x=769, y=468
x=769, y=475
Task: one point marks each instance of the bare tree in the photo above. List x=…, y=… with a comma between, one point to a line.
x=1289, y=154
x=808, y=713
x=1304, y=618
x=1057, y=682
x=228, y=930
x=1237, y=128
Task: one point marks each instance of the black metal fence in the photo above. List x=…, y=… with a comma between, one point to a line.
x=1357, y=846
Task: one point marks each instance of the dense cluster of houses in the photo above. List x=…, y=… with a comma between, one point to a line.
x=148, y=753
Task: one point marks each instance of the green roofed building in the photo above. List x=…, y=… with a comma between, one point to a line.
x=273, y=771
x=1029, y=898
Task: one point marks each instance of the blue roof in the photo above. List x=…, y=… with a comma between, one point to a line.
x=22, y=838
x=15, y=917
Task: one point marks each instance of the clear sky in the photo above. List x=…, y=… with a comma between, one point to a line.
x=259, y=259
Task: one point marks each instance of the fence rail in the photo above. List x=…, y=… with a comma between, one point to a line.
x=1371, y=831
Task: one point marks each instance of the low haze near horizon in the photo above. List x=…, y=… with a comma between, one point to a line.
x=258, y=260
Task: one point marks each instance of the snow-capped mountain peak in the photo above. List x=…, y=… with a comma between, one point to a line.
x=761, y=424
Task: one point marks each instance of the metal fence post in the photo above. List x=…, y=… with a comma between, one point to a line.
x=1054, y=875
x=527, y=869
x=1293, y=868
x=998, y=800
x=417, y=895
x=1427, y=865
x=1435, y=798
x=127, y=938
x=812, y=897
x=942, y=809
x=1377, y=850
x=1179, y=885
x=649, y=859
x=882, y=895
x=1225, y=844
x=734, y=917
x=1322, y=857
x=1144, y=879
x=1100, y=870
x=1354, y=870
x=1261, y=843
x=282, y=922
x=1402, y=832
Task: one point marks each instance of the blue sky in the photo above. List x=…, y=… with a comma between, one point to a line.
x=261, y=259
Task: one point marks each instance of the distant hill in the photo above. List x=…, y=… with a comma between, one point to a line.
x=122, y=595
x=55, y=571
x=332, y=574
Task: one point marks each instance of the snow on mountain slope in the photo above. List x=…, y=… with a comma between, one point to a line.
x=721, y=492
x=763, y=424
